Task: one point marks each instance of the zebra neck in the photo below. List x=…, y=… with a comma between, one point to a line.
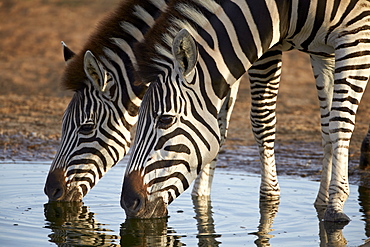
x=236, y=33
x=231, y=35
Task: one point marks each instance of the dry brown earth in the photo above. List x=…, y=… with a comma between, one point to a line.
x=32, y=102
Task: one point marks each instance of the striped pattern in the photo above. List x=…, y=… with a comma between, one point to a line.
x=97, y=122
x=96, y=125
x=178, y=132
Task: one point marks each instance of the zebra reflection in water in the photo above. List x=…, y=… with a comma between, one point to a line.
x=72, y=223
x=154, y=232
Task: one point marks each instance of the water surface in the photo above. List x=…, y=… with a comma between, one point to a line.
x=233, y=217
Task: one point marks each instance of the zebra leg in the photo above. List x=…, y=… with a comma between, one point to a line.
x=265, y=77
x=203, y=183
x=323, y=69
x=352, y=70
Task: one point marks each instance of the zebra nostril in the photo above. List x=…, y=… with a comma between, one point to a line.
x=54, y=190
x=58, y=193
x=134, y=205
x=55, y=185
x=132, y=202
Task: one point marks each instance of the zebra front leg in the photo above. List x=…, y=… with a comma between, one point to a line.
x=265, y=77
x=352, y=70
x=203, y=183
x=323, y=69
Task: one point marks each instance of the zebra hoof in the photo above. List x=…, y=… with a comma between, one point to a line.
x=332, y=215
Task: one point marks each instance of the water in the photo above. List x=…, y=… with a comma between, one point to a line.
x=234, y=217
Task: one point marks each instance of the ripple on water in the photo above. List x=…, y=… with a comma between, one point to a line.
x=234, y=217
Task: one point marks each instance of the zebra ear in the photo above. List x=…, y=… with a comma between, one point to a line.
x=67, y=53
x=97, y=74
x=185, y=50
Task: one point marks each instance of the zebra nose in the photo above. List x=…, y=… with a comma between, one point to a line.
x=132, y=202
x=55, y=185
x=133, y=195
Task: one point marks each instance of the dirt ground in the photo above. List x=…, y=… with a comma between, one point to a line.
x=32, y=102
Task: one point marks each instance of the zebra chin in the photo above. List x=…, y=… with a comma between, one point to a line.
x=135, y=202
x=57, y=190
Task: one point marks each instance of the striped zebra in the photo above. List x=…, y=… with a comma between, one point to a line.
x=97, y=122
x=193, y=56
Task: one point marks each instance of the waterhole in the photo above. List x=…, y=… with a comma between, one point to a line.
x=234, y=216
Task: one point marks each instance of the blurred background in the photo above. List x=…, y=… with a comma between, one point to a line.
x=31, y=60
x=32, y=101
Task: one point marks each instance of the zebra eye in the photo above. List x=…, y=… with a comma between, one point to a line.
x=86, y=128
x=165, y=121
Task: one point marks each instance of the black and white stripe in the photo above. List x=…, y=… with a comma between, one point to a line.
x=97, y=123
x=179, y=130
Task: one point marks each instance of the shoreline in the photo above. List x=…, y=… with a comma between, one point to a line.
x=297, y=159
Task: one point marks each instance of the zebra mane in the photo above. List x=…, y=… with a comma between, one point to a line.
x=147, y=57
x=154, y=52
x=109, y=28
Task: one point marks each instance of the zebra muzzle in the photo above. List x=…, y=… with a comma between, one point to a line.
x=56, y=188
x=134, y=199
x=55, y=185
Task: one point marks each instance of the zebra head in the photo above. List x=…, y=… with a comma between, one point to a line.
x=177, y=134
x=95, y=133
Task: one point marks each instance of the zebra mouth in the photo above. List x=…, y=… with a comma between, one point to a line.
x=73, y=195
x=148, y=209
x=135, y=200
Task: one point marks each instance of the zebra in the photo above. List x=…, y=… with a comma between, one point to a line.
x=98, y=120
x=193, y=56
